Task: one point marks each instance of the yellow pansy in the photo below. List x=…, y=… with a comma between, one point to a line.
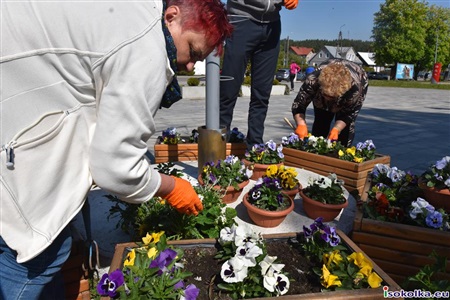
x=327, y=279
x=374, y=280
x=157, y=236
x=362, y=262
x=147, y=239
x=341, y=153
x=333, y=257
x=152, y=252
x=129, y=260
x=271, y=170
x=351, y=150
x=152, y=238
x=357, y=159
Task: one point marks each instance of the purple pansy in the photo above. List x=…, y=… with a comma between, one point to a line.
x=191, y=292
x=434, y=219
x=108, y=284
x=163, y=260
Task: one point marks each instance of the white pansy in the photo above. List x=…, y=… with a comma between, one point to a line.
x=418, y=206
x=233, y=270
x=248, y=253
x=226, y=235
x=282, y=285
x=244, y=233
x=267, y=265
x=269, y=283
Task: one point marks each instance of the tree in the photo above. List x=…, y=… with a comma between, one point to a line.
x=406, y=30
x=438, y=33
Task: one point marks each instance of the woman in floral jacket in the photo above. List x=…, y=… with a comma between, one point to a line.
x=337, y=90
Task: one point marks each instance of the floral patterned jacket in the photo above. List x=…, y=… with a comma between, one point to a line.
x=348, y=105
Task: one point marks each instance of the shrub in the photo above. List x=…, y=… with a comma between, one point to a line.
x=247, y=80
x=192, y=81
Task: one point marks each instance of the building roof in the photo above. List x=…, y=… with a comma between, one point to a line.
x=302, y=51
x=368, y=58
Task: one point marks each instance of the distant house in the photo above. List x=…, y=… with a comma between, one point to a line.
x=304, y=52
x=368, y=59
x=328, y=52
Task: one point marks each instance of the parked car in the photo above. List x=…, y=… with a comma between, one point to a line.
x=377, y=76
x=282, y=74
x=301, y=76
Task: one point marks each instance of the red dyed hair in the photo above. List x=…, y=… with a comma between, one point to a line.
x=209, y=16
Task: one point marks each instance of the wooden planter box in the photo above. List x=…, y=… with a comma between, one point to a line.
x=119, y=255
x=189, y=151
x=399, y=249
x=353, y=174
x=76, y=283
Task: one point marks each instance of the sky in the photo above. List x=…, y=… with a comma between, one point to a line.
x=316, y=19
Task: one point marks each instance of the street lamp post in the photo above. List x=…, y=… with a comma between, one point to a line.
x=286, y=55
x=436, y=48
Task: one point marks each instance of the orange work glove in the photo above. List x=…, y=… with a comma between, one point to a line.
x=301, y=131
x=334, y=133
x=290, y=4
x=184, y=198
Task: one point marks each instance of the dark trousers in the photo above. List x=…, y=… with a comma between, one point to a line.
x=259, y=44
x=322, y=126
x=291, y=78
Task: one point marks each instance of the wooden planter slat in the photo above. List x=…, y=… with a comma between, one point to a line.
x=400, y=250
x=369, y=294
x=189, y=151
x=402, y=231
x=399, y=244
x=353, y=174
x=397, y=269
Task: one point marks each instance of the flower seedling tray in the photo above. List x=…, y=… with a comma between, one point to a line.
x=120, y=252
x=353, y=174
x=399, y=249
x=189, y=151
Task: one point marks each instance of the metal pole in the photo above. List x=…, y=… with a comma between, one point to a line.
x=287, y=52
x=211, y=138
x=435, y=51
x=212, y=91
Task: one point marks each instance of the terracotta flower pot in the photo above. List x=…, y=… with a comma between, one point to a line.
x=259, y=170
x=293, y=192
x=315, y=209
x=231, y=194
x=265, y=218
x=437, y=198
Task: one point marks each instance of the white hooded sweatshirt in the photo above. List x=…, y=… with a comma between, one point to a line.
x=80, y=85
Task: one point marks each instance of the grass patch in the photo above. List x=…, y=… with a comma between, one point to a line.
x=410, y=84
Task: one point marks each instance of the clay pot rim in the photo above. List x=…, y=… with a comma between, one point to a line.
x=423, y=185
x=258, y=210
x=320, y=204
x=259, y=165
x=229, y=188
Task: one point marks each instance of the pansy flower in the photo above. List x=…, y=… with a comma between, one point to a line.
x=248, y=252
x=328, y=280
x=190, y=293
x=233, y=270
x=163, y=260
x=108, y=284
x=434, y=219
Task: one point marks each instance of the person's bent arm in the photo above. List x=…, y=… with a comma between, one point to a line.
x=180, y=194
x=301, y=130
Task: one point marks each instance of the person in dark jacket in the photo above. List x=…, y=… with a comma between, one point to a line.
x=256, y=38
x=337, y=90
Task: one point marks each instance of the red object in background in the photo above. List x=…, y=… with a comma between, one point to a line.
x=437, y=71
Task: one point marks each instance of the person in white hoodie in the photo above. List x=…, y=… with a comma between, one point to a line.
x=80, y=85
